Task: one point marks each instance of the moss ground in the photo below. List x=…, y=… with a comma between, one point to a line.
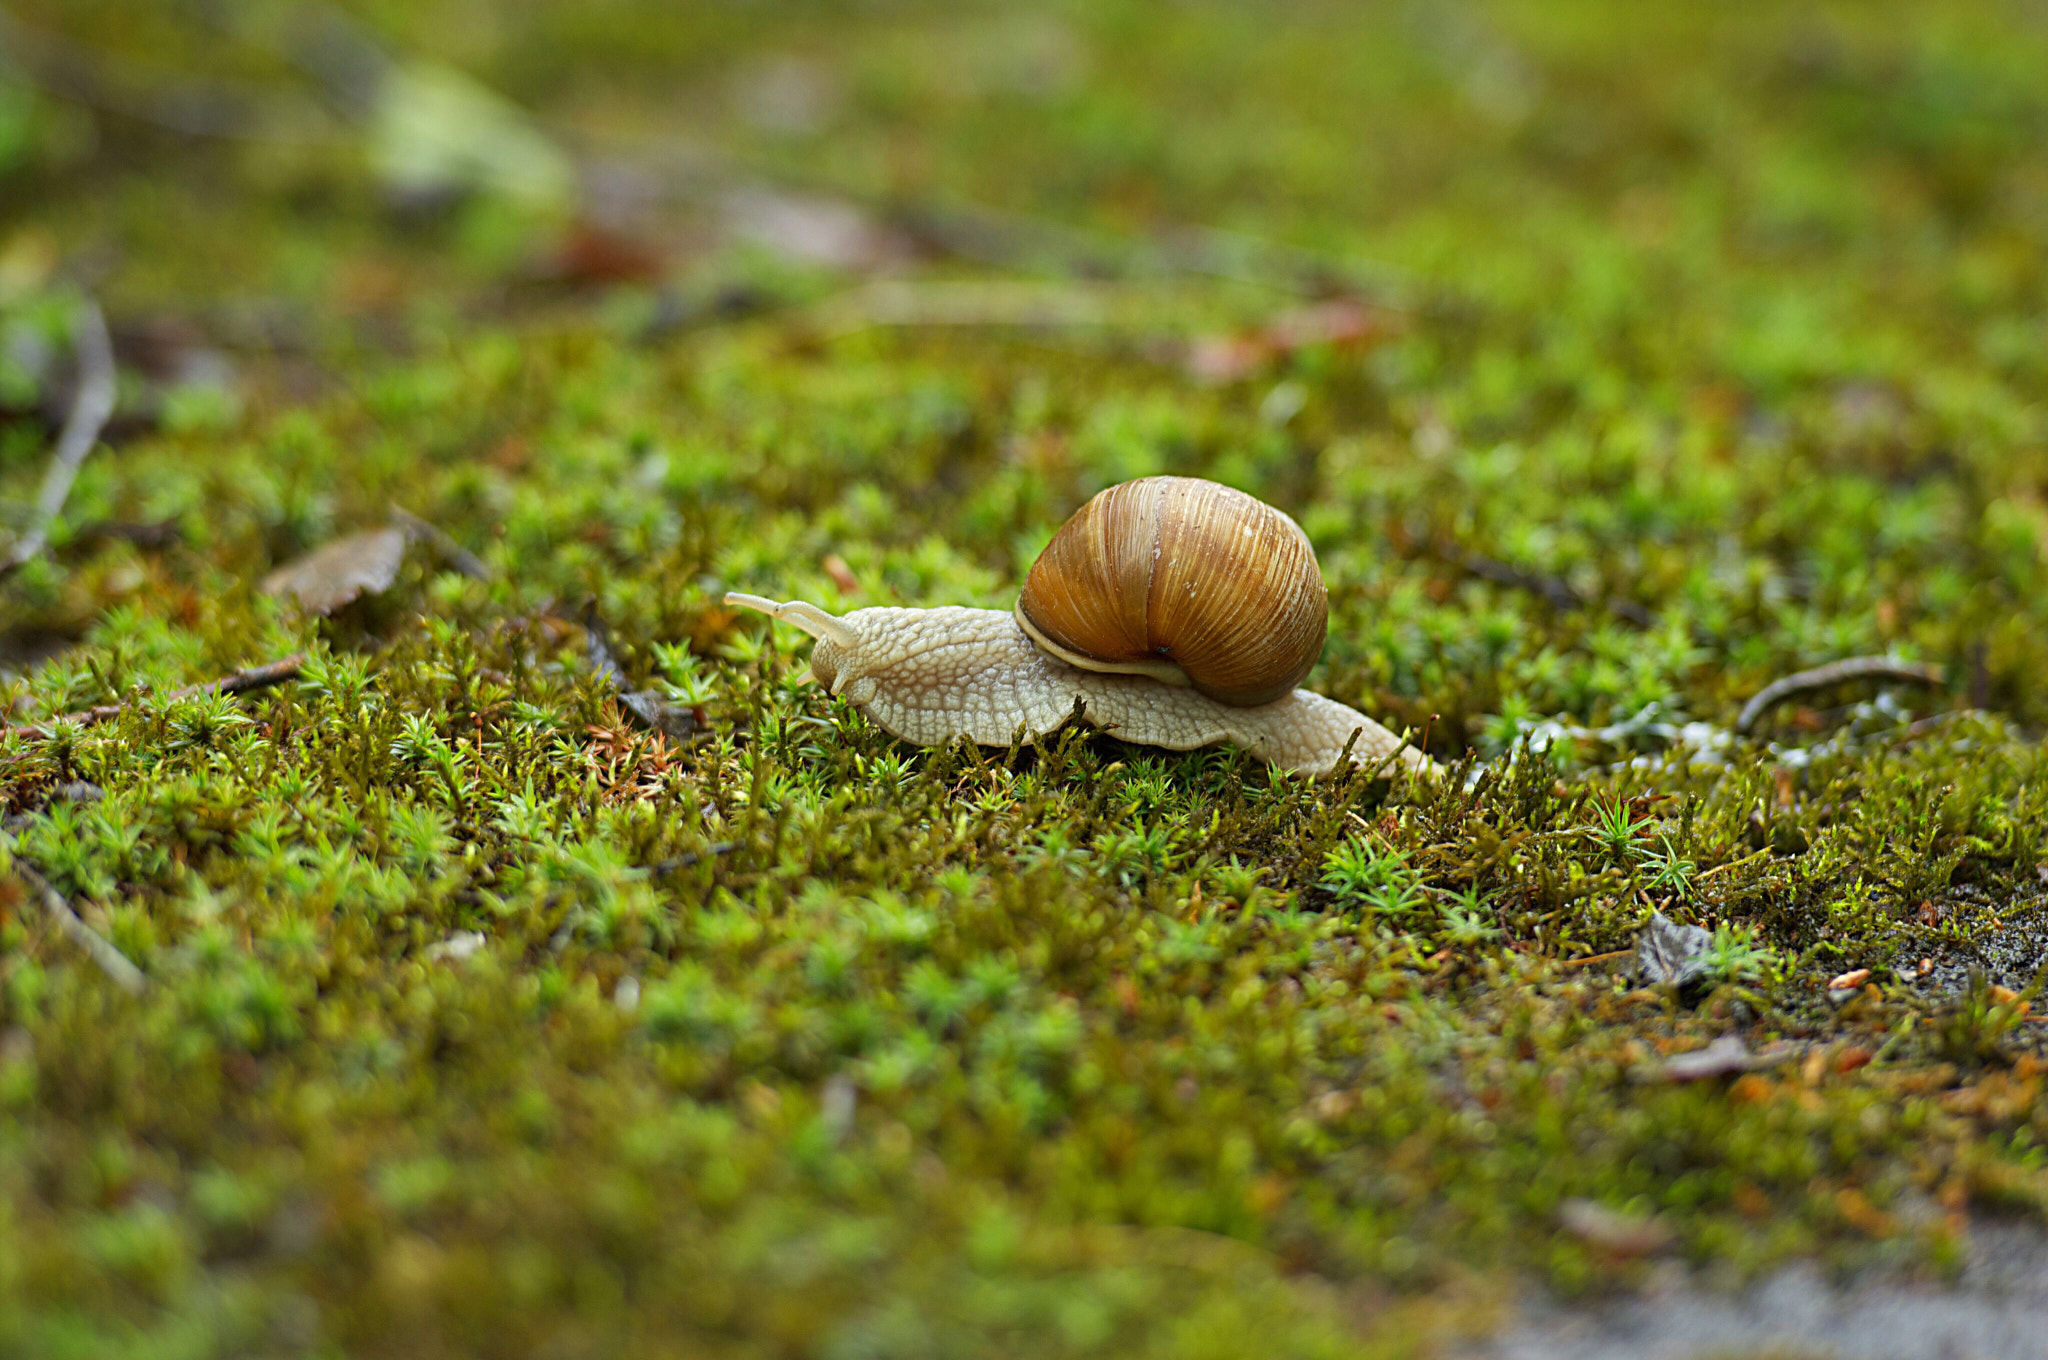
x=482, y=1020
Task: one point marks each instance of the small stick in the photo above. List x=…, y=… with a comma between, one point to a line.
x=1914, y=730
x=256, y=677
x=241, y=682
x=91, y=405
x=112, y=961
x=948, y=303
x=689, y=857
x=441, y=541
x=1834, y=673
x=1731, y=864
x=1555, y=591
x=1595, y=958
x=194, y=107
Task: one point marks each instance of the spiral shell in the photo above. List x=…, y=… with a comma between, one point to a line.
x=1188, y=581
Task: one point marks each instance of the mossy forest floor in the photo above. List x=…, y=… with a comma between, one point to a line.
x=1620, y=360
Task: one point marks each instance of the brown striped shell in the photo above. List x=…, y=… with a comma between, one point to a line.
x=1185, y=580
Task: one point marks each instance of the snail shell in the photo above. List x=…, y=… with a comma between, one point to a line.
x=1188, y=581
x=1168, y=579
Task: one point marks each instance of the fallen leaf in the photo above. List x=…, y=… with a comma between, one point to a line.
x=1336, y=322
x=1222, y=359
x=511, y=454
x=654, y=709
x=175, y=366
x=437, y=132
x=458, y=946
x=365, y=563
x=841, y=574
x=1861, y=1214
x=28, y=260
x=591, y=254
x=1751, y=1089
x=337, y=572
x=1229, y=357
x=1671, y=954
x=1723, y=1057
x=813, y=228
x=711, y=627
x=597, y=639
x=787, y=94
x=1611, y=1230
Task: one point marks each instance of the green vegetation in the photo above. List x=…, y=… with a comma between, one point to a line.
x=1697, y=348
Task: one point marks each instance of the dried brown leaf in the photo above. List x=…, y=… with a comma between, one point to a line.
x=1723, y=1057
x=337, y=572
x=1612, y=1231
x=1668, y=953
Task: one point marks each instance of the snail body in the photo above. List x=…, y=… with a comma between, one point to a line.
x=1187, y=593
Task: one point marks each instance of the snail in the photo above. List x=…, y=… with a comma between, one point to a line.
x=1169, y=611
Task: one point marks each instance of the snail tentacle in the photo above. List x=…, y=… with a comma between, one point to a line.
x=802, y=614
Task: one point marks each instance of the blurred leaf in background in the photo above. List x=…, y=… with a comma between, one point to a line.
x=437, y=133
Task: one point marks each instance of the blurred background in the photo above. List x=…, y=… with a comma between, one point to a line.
x=257, y=174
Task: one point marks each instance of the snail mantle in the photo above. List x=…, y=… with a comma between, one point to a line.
x=931, y=675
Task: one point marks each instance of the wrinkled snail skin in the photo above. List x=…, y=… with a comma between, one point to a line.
x=931, y=675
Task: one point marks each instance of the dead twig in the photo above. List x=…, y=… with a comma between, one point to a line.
x=1834, y=673
x=1013, y=240
x=690, y=857
x=459, y=558
x=148, y=536
x=194, y=106
x=1590, y=959
x=1913, y=731
x=112, y=961
x=1554, y=591
x=241, y=682
x=91, y=405
x=256, y=677
x=1733, y=864
x=947, y=303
